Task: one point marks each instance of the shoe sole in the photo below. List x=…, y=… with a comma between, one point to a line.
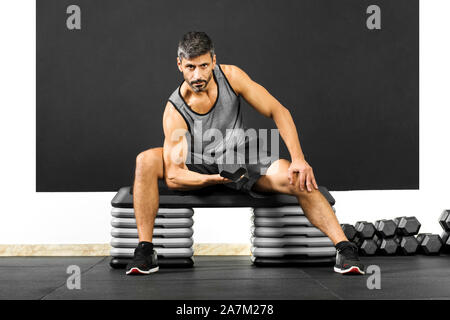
x=351, y=270
x=139, y=271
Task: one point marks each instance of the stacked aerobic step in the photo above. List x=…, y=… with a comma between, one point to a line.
x=172, y=237
x=284, y=236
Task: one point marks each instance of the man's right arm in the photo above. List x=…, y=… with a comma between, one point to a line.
x=176, y=173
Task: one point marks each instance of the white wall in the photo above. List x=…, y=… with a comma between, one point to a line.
x=28, y=217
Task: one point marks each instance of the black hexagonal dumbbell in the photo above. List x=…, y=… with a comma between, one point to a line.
x=429, y=244
x=407, y=245
x=420, y=237
x=396, y=220
x=349, y=231
x=444, y=220
x=387, y=246
x=445, y=236
x=368, y=247
x=385, y=228
x=364, y=229
x=407, y=226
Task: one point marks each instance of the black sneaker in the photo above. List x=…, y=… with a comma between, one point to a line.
x=145, y=260
x=347, y=260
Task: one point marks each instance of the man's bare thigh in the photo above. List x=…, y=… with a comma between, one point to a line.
x=275, y=179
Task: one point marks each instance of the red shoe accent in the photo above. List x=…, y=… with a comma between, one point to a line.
x=353, y=270
x=135, y=271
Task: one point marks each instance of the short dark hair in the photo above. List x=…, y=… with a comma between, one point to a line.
x=194, y=44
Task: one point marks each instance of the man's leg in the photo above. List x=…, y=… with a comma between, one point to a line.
x=314, y=205
x=149, y=168
x=317, y=210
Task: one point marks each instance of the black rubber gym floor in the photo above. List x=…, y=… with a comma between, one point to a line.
x=223, y=277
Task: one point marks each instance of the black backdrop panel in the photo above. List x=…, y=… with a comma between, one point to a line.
x=353, y=92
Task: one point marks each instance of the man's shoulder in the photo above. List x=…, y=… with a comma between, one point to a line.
x=174, y=97
x=173, y=118
x=229, y=69
x=233, y=74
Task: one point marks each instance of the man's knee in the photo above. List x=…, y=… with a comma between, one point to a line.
x=303, y=194
x=150, y=161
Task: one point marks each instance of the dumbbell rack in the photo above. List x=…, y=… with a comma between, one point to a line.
x=399, y=236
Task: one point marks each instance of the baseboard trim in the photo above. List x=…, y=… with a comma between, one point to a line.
x=45, y=250
x=102, y=249
x=222, y=249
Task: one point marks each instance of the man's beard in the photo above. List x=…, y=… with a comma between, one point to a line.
x=203, y=83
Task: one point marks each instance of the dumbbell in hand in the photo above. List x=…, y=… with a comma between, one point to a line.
x=234, y=176
x=237, y=173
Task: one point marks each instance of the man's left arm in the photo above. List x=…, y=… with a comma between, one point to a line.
x=260, y=99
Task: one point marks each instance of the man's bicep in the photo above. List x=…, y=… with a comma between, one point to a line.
x=174, y=153
x=175, y=144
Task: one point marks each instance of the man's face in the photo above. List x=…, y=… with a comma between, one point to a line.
x=197, y=72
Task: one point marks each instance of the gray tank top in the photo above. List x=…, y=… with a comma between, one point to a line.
x=224, y=116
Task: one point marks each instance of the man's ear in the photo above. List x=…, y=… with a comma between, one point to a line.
x=179, y=64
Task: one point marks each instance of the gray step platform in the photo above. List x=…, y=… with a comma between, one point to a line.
x=161, y=252
x=291, y=241
x=276, y=212
x=212, y=196
x=293, y=251
x=121, y=263
x=273, y=212
x=292, y=261
x=270, y=232
x=281, y=221
x=157, y=233
x=162, y=213
x=157, y=242
x=159, y=222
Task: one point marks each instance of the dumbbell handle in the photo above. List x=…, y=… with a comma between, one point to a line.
x=235, y=176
